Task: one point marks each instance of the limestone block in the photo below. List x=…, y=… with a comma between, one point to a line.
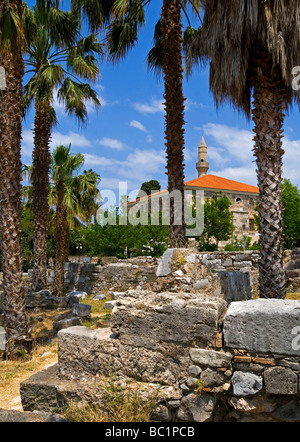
x=164, y=263
x=246, y=384
x=201, y=284
x=81, y=310
x=2, y=339
x=178, y=318
x=65, y=323
x=259, y=404
x=117, y=295
x=281, y=380
x=197, y=408
x=79, y=350
x=263, y=326
x=109, y=305
x=210, y=358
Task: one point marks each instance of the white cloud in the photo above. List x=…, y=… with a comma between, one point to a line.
x=75, y=139
x=237, y=142
x=235, y=146
x=137, y=167
x=112, y=143
x=138, y=125
x=153, y=107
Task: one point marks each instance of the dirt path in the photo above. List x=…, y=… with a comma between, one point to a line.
x=10, y=389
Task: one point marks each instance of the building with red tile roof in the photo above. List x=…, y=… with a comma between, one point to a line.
x=243, y=197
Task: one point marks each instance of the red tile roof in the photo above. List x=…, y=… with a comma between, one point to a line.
x=216, y=182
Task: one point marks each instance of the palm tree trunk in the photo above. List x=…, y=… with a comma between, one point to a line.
x=16, y=323
x=174, y=107
x=59, y=241
x=66, y=241
x=40, y=184
x=268, y=117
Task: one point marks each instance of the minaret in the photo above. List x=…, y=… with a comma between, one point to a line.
x=202, y=165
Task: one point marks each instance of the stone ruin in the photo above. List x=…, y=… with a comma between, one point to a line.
x=203, y=361
x=188, y=329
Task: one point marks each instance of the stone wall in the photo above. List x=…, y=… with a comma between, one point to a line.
x=236, y=364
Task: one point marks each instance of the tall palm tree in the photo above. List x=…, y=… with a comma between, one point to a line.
x=252, y=47
x=16, y=323
x=127, y=17
x=52, y=43
x=72, y=195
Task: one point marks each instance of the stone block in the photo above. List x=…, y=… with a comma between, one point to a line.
x=65, y=323
x=246, y=384
x=81, y=310
x=164, y=263
x=2, y=338
x=263, y=326
x=82, y=350
x=201, y=285
x=99, y=297
x=78, y=294
x=289, y=412
x=197, y=408
x=109, y=305
x=211, y=358
x=281, y=380
x=178, y=318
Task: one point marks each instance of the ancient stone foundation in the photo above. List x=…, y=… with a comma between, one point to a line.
x=204, y=360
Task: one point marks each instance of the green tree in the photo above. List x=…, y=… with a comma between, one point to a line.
x=291, y=214
x=252, y=48
x=218, y=219
x=149, y=186
x=70, y=194
x=16, y=324
x=55, y=57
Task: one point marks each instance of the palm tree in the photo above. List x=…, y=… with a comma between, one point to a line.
x=127, y=17
x=52, y=42
x=18, y=332
x=73, y=197
x=252, y=48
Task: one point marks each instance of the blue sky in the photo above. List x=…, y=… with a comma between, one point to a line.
x=124, y=140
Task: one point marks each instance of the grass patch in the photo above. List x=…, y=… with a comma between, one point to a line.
x=119, y=406
x=295, y=296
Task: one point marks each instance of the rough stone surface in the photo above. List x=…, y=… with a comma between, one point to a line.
x=246, y=384
x=263, y=325
x=161, y=414
x=19, y=416
x=281, y=380
x=81, y=310
x=44, y=299
x=143, y=320
x=211, y=358
x=109, y=305
x=164, y=263
x=253, y=405
x=197, y=408
x=2, y=338
x=82, y=350
x=65, y=323
x=289, y=412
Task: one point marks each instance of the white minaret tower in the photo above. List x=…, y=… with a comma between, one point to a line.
x=202, y=165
